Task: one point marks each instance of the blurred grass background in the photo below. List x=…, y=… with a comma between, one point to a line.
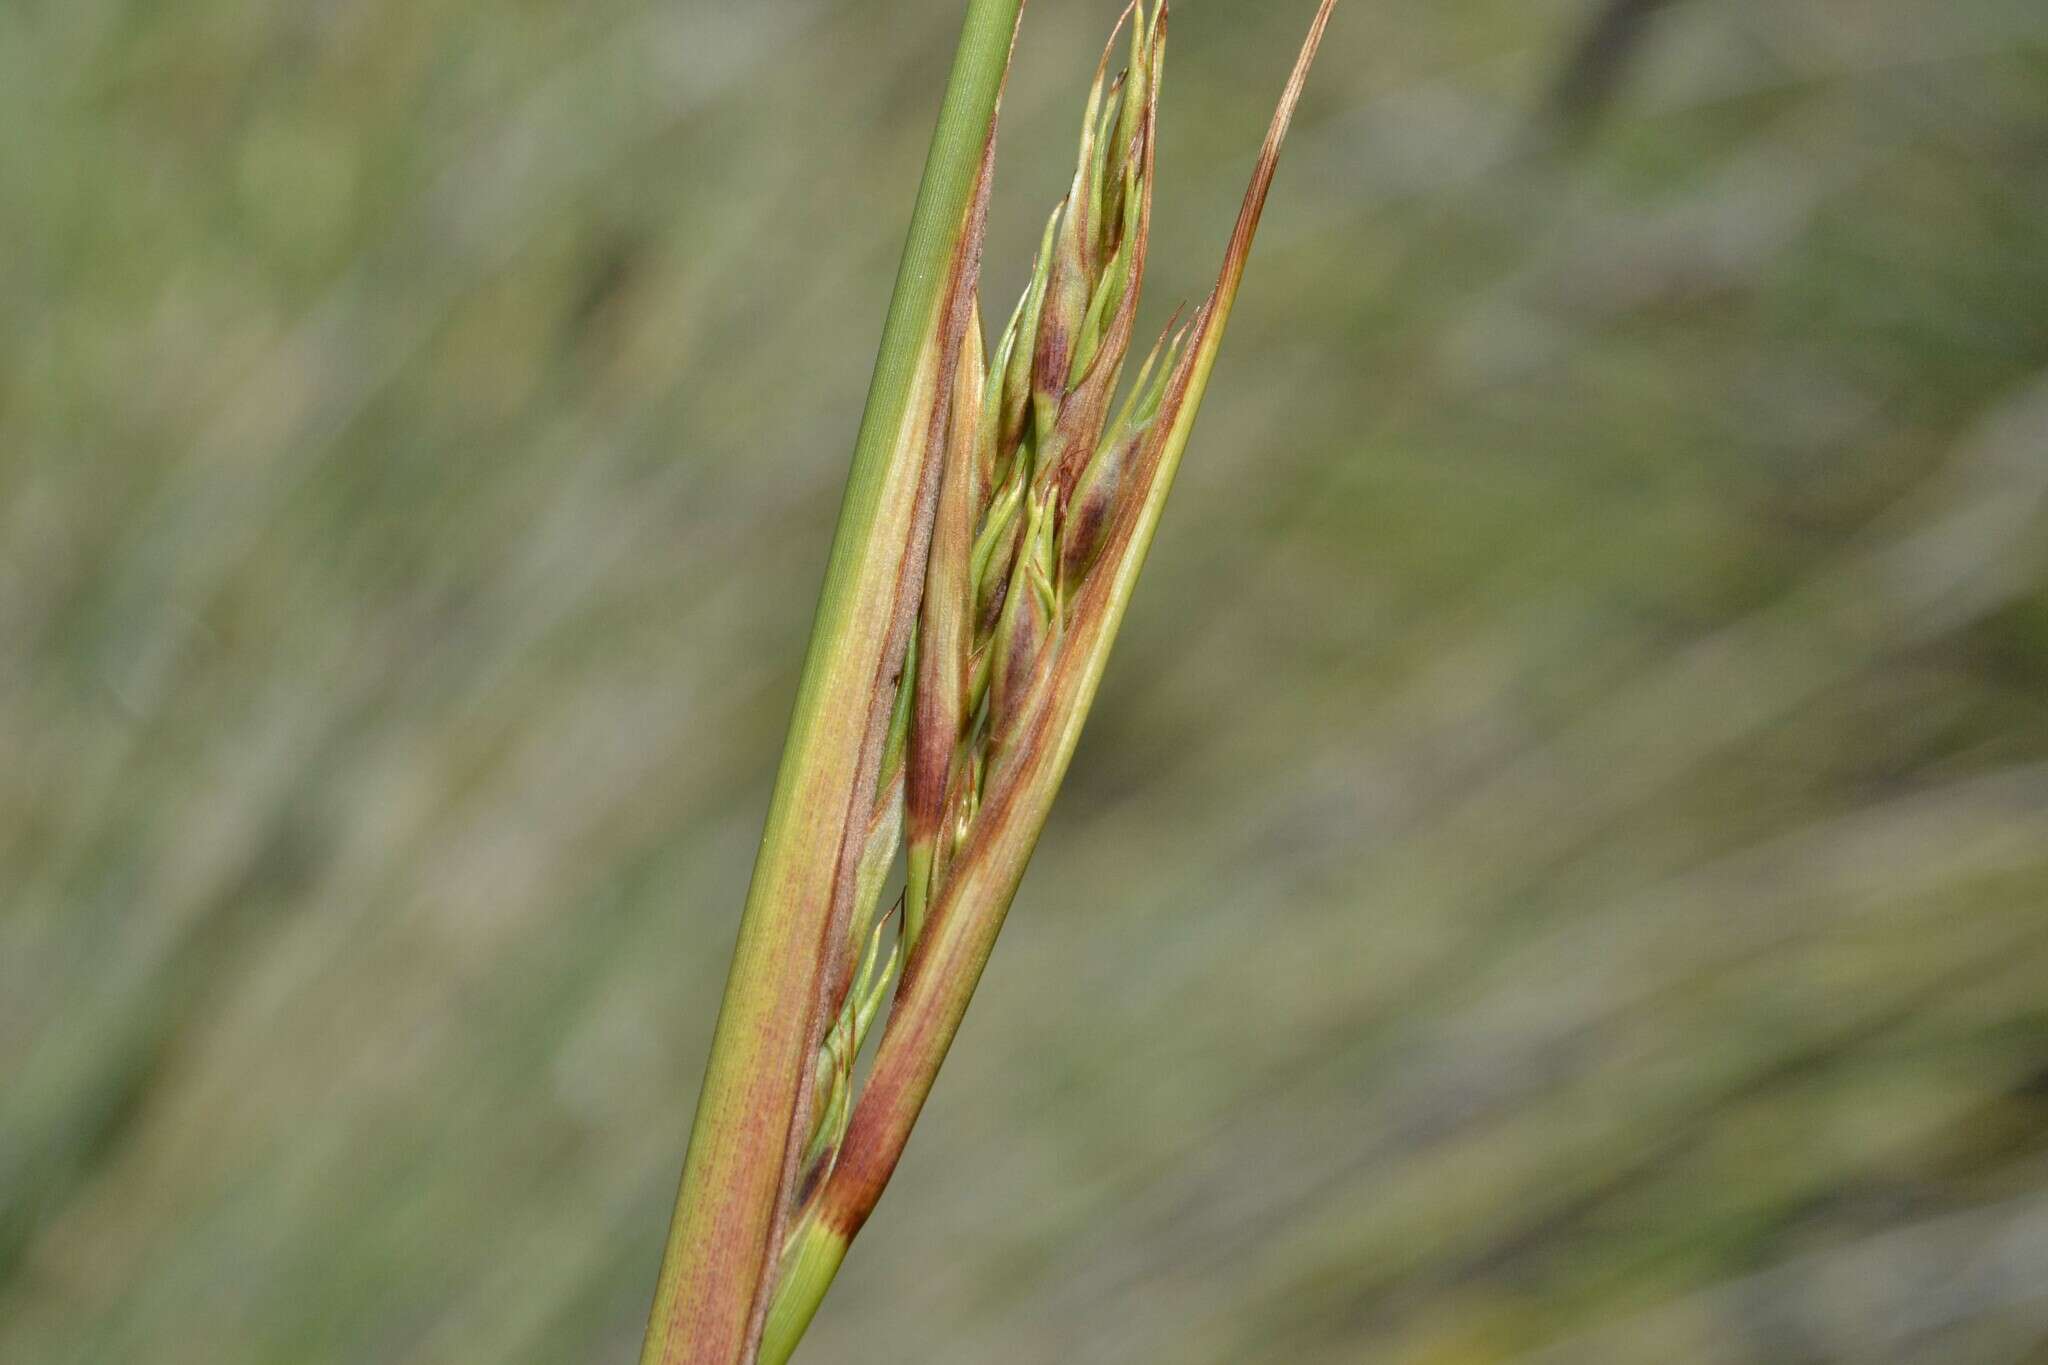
x=1558, y=872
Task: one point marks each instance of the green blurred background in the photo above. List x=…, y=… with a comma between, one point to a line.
x=1559, y=871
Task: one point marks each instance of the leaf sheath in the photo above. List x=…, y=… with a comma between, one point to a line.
x=709, y=1300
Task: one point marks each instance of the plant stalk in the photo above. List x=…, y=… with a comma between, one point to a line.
x=710, y=1303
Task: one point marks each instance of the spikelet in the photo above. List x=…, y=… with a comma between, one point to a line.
x=1044, y=514
x=991, y=615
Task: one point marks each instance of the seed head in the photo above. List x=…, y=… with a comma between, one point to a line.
x=1044, y=514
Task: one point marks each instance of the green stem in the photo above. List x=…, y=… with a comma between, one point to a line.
x=807, y=1274
x=709, y=1302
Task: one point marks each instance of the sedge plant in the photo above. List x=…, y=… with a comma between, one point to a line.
x=1000, y=507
